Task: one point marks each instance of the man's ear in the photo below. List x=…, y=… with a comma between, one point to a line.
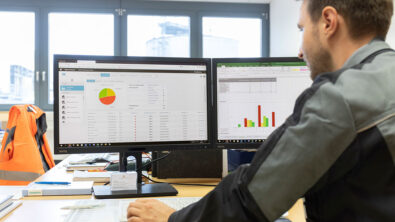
x=329, y=21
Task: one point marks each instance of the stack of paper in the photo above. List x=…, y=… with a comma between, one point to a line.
x=7, y=204
x=93, y=166
x=92, y=158
x=103, y=177
x=5, y=201
x=73, y=188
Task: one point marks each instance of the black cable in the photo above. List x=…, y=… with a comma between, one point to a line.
x=186, y=184
x=153, y=161
x=161, y=158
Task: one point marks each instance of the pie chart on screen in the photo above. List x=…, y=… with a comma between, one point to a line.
x=107, y=96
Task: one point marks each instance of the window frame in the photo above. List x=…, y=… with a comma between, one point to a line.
x=151, y=12
x=195, y=10
x=44, y=53
x=6, y=107
x=264, y=35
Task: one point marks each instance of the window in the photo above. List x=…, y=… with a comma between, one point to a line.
x=165, y=36
x=17, y=61
x=232, y=37
x=81, y=34
x=33, y=31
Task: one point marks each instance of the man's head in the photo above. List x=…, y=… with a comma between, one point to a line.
x=334, y=29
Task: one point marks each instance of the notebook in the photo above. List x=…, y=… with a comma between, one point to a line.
x=74, y=188
x=9, y=208
x=5, y=201
x=93, y=166
x=92, y=176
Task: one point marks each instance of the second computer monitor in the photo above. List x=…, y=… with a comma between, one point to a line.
x=254, y=96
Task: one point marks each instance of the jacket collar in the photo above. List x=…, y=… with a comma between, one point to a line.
x=366, y=50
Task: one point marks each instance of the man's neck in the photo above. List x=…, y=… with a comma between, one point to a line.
x=345, y=48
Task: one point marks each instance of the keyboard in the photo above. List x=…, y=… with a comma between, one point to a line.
x=176, y=202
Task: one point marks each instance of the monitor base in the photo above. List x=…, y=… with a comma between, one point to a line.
x=143, y=190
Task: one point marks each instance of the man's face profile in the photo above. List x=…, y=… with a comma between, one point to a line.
x=317, y=58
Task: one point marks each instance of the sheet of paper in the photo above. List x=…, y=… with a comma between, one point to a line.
x=107, y=211
x=124, y=181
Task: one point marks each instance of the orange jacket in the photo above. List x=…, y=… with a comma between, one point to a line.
x=25, y=153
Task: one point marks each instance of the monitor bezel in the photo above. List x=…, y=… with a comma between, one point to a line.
x=215, y=61
x=133, y=147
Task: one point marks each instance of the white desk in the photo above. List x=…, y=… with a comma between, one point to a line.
x=48, y=208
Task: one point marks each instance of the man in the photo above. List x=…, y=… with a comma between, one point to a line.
x=337, y=150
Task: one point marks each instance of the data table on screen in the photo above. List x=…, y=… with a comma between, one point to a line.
x=253, y=99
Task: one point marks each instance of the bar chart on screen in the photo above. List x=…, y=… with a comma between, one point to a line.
x=254, y=99
x=263, y=121
x=248, y=119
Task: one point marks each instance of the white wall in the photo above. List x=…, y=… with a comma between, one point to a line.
x=285, y=38
x=391, y=33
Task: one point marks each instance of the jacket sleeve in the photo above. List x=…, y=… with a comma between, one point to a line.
x=287, y=164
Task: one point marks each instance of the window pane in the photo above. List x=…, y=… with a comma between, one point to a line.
x=17, y=57
x=158, y=36
x=80, y=34
x=231, y=37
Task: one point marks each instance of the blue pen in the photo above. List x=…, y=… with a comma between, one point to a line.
x=53, y=182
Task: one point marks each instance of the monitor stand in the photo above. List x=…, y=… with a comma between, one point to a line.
x=143, y=190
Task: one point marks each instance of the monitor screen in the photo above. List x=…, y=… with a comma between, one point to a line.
x=253, y=96
x=115, y=104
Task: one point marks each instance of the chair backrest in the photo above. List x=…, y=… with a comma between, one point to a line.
x=25, y=152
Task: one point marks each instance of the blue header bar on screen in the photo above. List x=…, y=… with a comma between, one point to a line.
x=71, y=88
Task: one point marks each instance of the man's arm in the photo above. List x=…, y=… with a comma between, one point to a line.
x=287, y=164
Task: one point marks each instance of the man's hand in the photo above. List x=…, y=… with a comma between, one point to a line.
x=149, y=210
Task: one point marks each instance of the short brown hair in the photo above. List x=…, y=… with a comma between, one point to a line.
x=362, y=16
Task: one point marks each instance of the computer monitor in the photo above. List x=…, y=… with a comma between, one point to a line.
x=254, y=96
x=131, y=104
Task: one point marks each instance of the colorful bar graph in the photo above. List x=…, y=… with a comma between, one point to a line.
x=263, y=121
x=259, y=116
x=273, y=119
x=266, y=122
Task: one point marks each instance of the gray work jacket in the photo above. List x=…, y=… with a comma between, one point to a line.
x=336, y=150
